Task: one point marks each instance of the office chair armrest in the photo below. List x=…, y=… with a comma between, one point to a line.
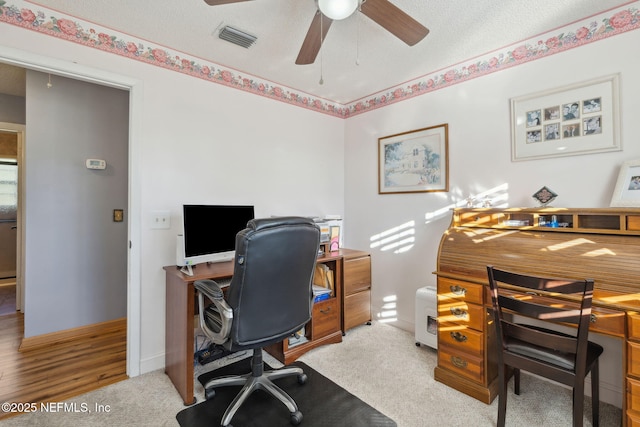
x=209, y=288
x=215, y=320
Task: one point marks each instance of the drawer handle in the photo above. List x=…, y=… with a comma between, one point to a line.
x=459, y=313
x=458, y=290
x=326, y=310
x=593, y=318
x=458, y=362
x=458, y=336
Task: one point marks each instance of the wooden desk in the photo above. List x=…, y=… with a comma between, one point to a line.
x=179, y=328
x=602, y=244
x=327, y=324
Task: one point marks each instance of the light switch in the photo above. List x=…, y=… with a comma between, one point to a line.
x=161, y=220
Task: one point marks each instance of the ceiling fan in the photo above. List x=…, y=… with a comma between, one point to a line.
x=383, y=12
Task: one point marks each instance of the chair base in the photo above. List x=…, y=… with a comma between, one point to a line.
x=258, y=379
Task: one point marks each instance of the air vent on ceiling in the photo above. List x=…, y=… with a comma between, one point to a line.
x=236, y=36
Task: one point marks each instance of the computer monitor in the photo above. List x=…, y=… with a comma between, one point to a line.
x=209, y=232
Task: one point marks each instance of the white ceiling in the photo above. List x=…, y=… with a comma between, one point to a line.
x=459, y=30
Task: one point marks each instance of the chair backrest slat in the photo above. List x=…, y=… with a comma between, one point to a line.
x=541, y=311
x=547, y=300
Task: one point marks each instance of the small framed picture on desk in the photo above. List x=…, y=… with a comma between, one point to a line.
x=334, y=242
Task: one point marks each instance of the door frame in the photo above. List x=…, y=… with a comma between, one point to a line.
x=76, y=71
x=19, y=130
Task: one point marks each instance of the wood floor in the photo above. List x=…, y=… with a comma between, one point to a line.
x=60, y=371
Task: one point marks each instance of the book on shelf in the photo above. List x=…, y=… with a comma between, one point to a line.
x=320, y=293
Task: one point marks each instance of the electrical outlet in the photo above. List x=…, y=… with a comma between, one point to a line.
x=161, y=220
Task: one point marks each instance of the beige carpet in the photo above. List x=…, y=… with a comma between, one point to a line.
x=379, y=363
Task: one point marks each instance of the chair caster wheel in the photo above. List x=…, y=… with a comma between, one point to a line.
x=209, y=394
x=302, y=378
x=296, y=418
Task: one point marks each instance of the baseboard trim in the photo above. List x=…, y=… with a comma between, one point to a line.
x=152, y=363
x=79, y=333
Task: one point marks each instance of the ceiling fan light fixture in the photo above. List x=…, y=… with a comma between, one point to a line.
x=337, y=9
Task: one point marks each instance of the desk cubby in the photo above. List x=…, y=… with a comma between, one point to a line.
x=324, y=327
x=603, y=221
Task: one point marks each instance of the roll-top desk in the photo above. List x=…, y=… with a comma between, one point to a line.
x=602, y=244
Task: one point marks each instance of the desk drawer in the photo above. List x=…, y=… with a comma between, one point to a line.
x=633, y=396
x=460, y=312
x=451, y=289
x=633, y=419
x=357, y=309
x=633, y=359
x=325, y=318
x=633, y=323
x=607, y=321
x=464, y=364
x=461, y=338
x=357, y=275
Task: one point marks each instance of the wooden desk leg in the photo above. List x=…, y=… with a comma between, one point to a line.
x=179, y=336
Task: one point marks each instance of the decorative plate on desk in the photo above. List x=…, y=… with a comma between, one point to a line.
x=544, y=196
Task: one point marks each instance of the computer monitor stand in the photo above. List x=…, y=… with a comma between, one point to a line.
x=187, y=270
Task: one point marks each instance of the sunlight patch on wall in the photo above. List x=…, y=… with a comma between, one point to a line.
x=497, y=197
x=388, y=313
x=399, y=239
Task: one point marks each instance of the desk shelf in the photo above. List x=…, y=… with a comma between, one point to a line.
x=324, y=327
x=600, y=221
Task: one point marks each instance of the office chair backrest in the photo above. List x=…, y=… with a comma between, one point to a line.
x=270, y=292
x=536, y=300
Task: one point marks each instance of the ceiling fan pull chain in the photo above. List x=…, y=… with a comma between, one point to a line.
x=321, y=43
x=358, y=34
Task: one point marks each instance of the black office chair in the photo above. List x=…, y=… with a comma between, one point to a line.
x=563, y=358
x=269, y=299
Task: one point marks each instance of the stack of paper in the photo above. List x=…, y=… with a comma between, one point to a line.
x=320, y=293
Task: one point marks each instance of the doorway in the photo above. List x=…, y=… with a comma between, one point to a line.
x=10, y=291
x=8, y=228
x=136, y=99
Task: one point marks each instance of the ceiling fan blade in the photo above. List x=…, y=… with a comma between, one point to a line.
x=219, y=2
x=395, y=21
x=313, y=41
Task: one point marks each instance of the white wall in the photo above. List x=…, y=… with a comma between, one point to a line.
x=479, y=160
x=198, y=142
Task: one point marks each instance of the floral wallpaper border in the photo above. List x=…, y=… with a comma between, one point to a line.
x=617, y=21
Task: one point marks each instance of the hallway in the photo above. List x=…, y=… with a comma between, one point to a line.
x=7, y=296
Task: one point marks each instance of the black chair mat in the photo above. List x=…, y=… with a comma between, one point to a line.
x=321, y=401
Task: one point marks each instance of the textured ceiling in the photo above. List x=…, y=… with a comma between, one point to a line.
x=459, y=30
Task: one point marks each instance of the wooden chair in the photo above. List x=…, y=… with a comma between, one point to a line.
x=563, y=358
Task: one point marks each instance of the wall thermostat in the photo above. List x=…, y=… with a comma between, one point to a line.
x=96, y=164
